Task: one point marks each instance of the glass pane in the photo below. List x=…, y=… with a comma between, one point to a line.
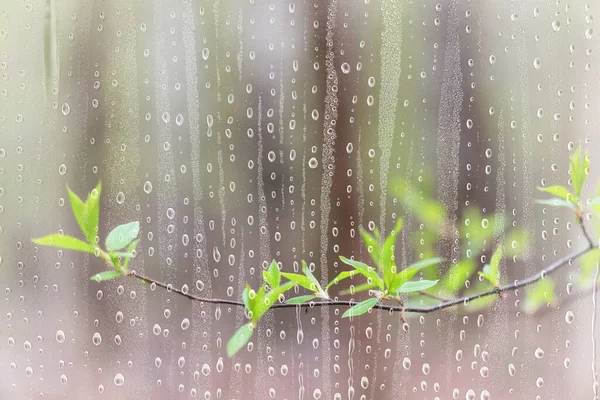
x=241, y=132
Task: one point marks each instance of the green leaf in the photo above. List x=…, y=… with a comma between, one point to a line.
x=122, y=235
x=454, y=279
x=274, y=293
x=123, y=254
x=539, y=294
x=491, y=271
x=130, y=249
x=361, y=308
x=427, y=210
x=300, y=280
x=588, y=262
x=372, y=244
x=579, y=169
x=358, y=289
x=495, y=261
x=245, y=297
x=405, y=275
x=92, y=212
x=516, y=242
x=313, y=280
x=78, y=208
x=105, y=275
x=300, y=299
x=559, y=191
x=364, y=269
x=481, y=303
x=415, y=286
x=116, y=262
x=239, y=339
x=65, y=242
x=385, y=263
x=341, y=276
x=428, y=262
x=257, y=303
x=309, y=274
x=555, y=202
x=272, y=276
x=264, y=300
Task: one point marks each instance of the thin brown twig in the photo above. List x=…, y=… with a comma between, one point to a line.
x=464, y=300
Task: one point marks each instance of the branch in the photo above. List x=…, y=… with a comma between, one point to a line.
x=423, y=310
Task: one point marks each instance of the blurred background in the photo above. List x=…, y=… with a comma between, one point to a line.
x=238, y=132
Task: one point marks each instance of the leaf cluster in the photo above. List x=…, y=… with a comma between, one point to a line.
x=120, y=243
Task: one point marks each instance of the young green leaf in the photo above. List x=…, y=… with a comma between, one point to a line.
x=272, y=276
x=256, y=303
x=123, y=254
x=130, y=249
x=588, y=263
x=491, y=271
x=481, y=303
x=372, y=243
x=300, y=299
x=264, y=300
x=274, y=293
x=539, y=294
x=579, y=169
x=116, y=262
x=92, y=212
x=559, y=191
x=341, y=276
x=65, y=242
x=78, y=208
x=313, y=280
x=385, y=263
x=358, y=288
x=245, y=297
x=307, y=272
x=454, y=280
x=427, y=210
x=405, y=275
x=300, y=280
x=487, y=275
x=239, y=339
x=361, y=308
x=122, y=235
x=415, y=286
x=495, y=261
x=105, y=275
x=364, y=269
x=555, y=202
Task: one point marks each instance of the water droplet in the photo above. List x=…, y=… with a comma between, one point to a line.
x=345, y=68
x=119, y=379
x=539, y=382
x=96, y=338
x=569, y=317
x=60, y=336
x=185, y=324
